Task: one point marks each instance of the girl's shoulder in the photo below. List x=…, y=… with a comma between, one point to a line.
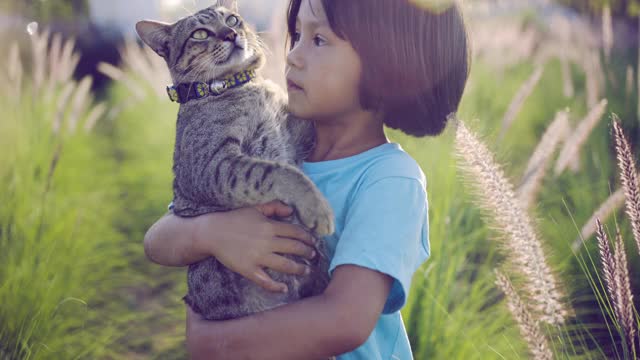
x=393, y=162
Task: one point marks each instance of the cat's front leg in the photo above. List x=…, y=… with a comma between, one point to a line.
x=238, y=180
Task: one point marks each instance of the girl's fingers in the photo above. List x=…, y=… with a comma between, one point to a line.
x=265, y=281
x=292, y=247
x=291, y=231
x=283, y=265
x=274, y=208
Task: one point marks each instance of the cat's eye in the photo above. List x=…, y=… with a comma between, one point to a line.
x=200, y=34
x=232, y=21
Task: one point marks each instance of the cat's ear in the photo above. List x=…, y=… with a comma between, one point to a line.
x=156, y=35
x=229, y=4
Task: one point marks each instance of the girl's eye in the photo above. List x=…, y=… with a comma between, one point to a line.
x=232, y=21
x=318, y=41
x=296, y=37
x=200, y=34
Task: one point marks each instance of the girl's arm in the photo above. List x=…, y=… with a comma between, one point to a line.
x=336, y=322
x=244, y=240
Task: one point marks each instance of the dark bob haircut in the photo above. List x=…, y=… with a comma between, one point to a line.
x=415, y=61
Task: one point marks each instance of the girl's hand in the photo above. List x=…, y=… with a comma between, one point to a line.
x=249, y=241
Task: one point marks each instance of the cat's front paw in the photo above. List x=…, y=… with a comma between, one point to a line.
x=315, y=213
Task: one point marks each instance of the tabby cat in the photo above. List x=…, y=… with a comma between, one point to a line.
x=236, y=146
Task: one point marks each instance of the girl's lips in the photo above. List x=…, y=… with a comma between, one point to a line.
x=293, y=86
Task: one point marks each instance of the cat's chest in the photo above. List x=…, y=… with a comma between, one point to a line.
x=258, y=132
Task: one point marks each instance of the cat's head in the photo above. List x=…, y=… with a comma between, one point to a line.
x=207, y=45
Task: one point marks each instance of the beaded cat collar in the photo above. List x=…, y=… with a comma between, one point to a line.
x=186, y=92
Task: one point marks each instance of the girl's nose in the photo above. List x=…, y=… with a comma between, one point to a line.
x=294, y=58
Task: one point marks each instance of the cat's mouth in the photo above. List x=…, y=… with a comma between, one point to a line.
x=236, y=50
x=226, y=58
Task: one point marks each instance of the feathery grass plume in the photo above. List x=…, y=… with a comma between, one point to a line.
x=626, y=315
x=96, y=113
x=149, y=66
x=613, y=203
x=529, y=327
x=115, y=74
x=15, y=71
x=538, y=163
x=572, y=146
x=629, y=81
x=608, y=266
x=567, y=82
x=574, y=165
x=595, y=78
x=69, y=60
x=607, y=31
x=516, y=104
x=136, y=59
x=53, y=57
x=79, y=102
x=629, y=178
x=523, y=248
x=61, y=106
x=39, y=42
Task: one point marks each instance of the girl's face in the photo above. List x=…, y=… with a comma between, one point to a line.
x=323, y=71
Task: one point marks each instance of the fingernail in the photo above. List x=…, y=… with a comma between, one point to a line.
x=285, y=289
x=313, y=254
x=307, y=270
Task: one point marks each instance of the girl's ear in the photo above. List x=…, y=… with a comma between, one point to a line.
x=229, y=4
x=156, y=35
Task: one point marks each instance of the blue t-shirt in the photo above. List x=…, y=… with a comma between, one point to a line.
x=379, y=200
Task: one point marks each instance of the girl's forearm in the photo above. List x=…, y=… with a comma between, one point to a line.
x=312, y=328
x=174, y=241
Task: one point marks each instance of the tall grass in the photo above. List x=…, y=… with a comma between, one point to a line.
x=60, y=253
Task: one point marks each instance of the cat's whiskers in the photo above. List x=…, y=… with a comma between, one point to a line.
x=261, y=46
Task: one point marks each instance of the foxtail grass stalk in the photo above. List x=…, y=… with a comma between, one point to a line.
x=594, y=76
x=529, y=327
x=538, y=163
x=629, y=179
x=79, y=102
x=61, y=106
x=616, y=275
x=625, y=316
x=39, y=43
x=15, y=71
x=521, y=96
x=613, y=203
x=567, y=82
x=96, y=113
x=69, y=60
x=116, y=74
x=523, y=248
x=53, y=59
x=571, y=149
x=607, y=31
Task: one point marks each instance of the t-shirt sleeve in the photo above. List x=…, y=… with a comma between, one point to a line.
x=387, y=230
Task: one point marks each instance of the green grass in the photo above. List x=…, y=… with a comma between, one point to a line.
x=61, y=256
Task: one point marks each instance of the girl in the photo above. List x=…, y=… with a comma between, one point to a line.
x=353, y=66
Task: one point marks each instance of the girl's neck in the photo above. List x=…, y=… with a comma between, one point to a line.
x=347, y=135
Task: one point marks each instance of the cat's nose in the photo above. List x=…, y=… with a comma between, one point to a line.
x=228, y=35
